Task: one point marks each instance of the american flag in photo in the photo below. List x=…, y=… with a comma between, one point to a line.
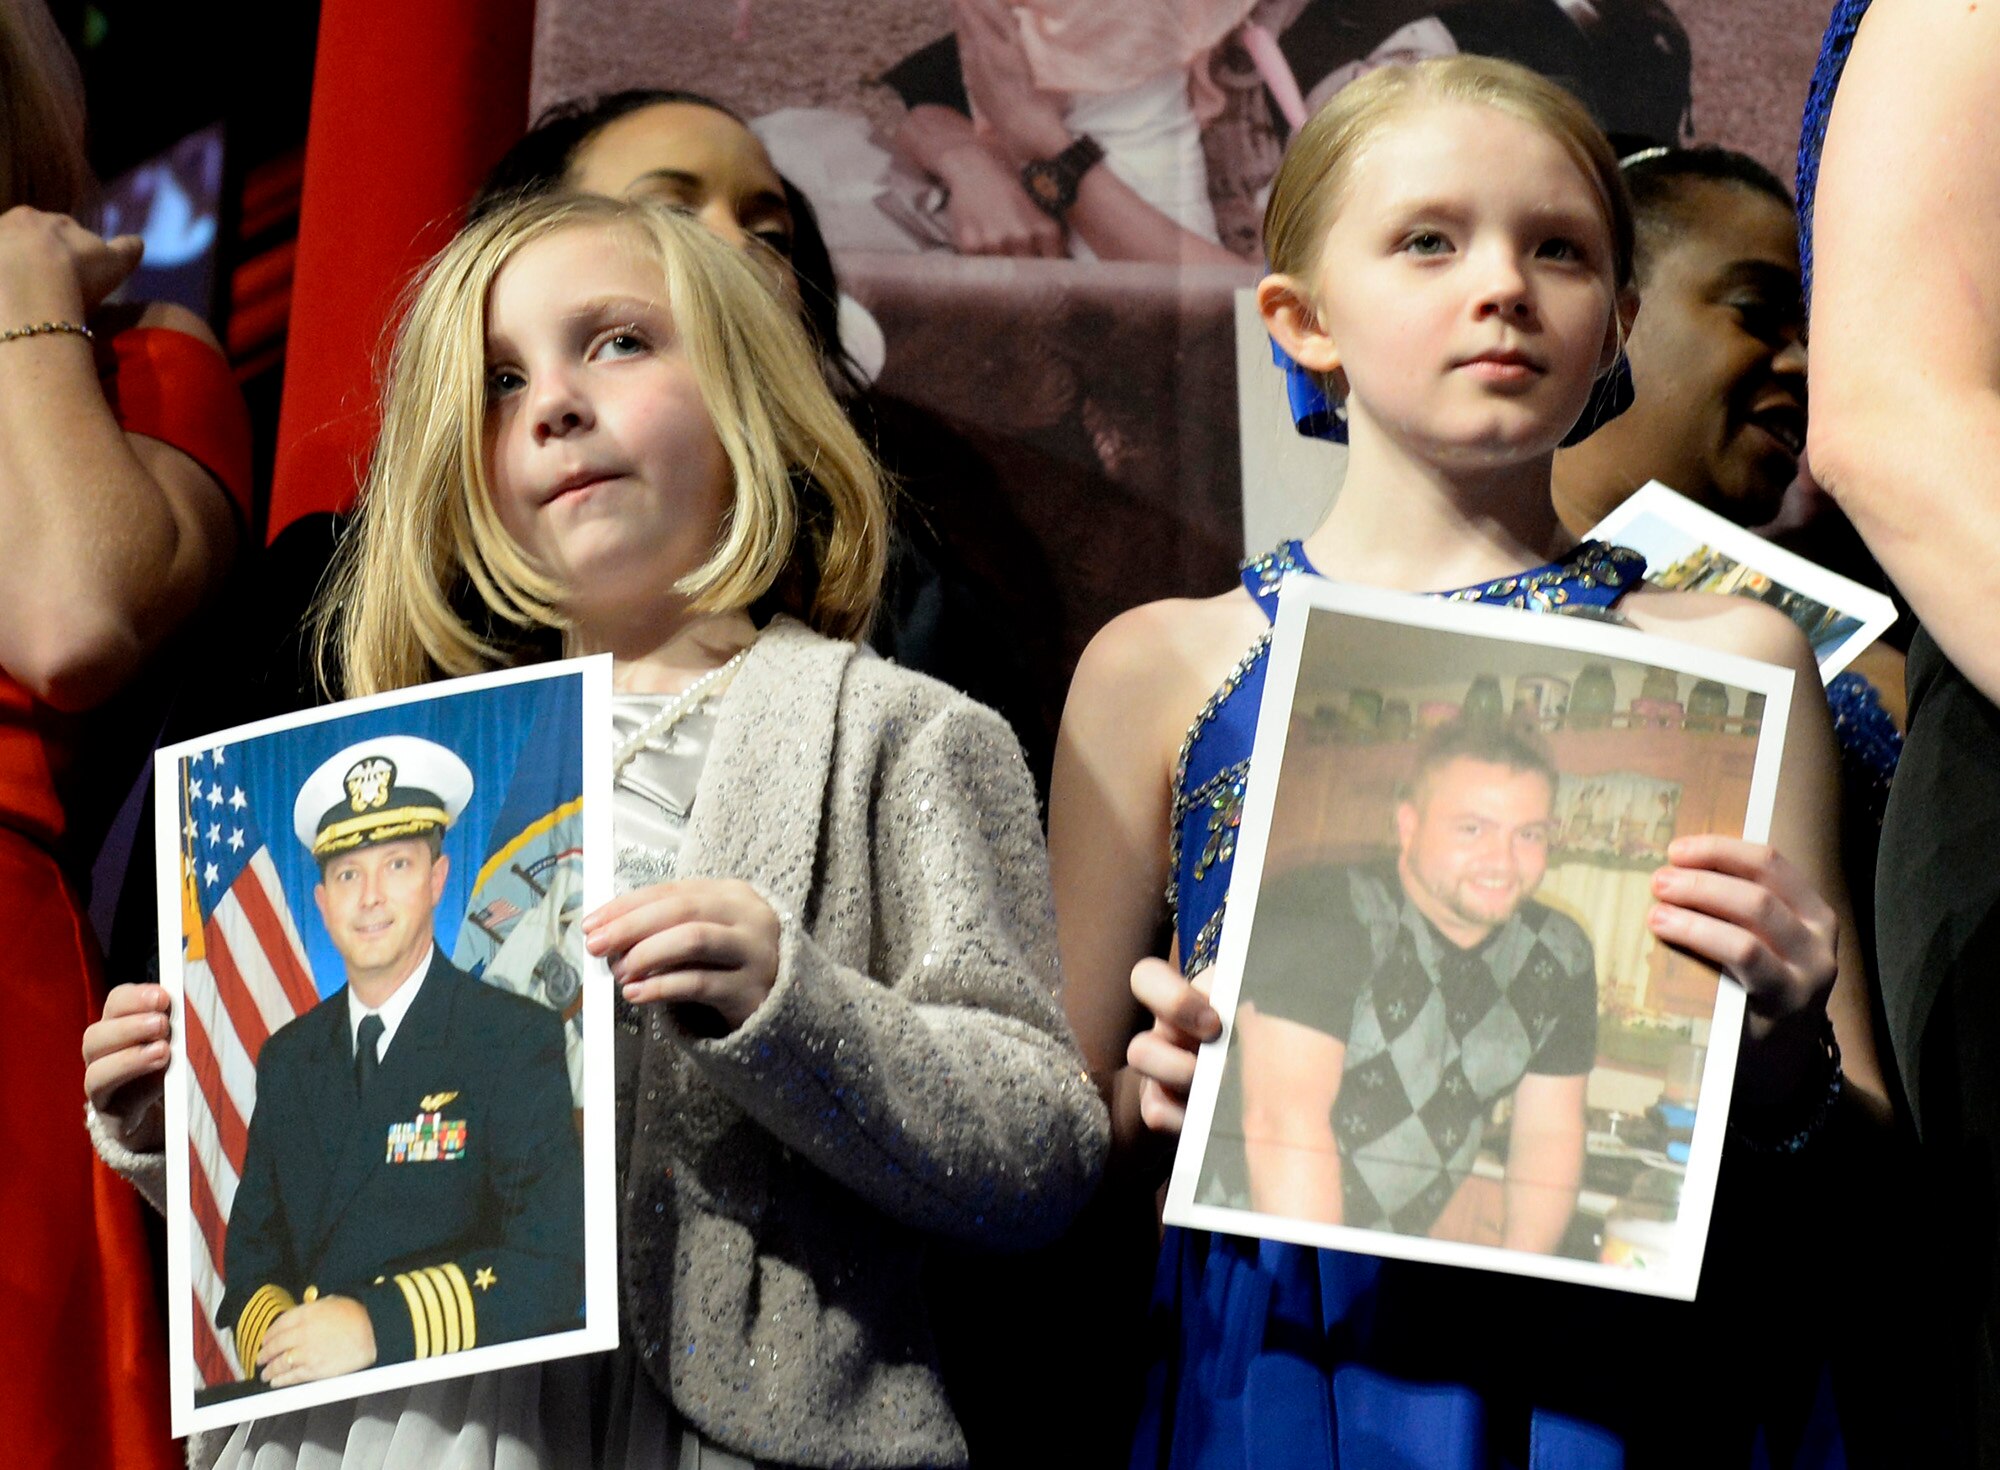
x=245, y=974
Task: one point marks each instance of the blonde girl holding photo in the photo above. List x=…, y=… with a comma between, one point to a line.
x=838, y=1032
x=1451, y=260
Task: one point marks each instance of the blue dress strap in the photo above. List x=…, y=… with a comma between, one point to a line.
x=1264, y=575
x=1834, y=47
x=1595, y=574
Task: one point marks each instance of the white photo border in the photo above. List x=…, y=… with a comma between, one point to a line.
x=1298, y=599
x=1787, y=568
x=600, y=1330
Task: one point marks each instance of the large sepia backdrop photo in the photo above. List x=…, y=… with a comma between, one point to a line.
x=1057, y=394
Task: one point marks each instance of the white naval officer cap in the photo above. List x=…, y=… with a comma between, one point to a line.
x=379, y=790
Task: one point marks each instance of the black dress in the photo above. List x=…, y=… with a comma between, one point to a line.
x=1938, y=938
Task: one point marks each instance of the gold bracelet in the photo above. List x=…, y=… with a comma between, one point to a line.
x=39, y=329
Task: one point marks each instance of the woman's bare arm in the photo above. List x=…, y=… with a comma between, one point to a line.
x=111, y=538
x=1905, y=426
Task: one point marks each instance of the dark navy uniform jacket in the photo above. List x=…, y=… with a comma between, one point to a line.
x=449, y=1204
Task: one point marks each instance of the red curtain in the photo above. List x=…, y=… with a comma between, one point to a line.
x=411, y=105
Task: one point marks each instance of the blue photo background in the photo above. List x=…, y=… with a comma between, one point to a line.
x=529, y=730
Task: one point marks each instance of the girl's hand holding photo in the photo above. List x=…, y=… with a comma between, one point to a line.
x=1743, y=908
x=125, y=1055
x=709, y=942
x=1164, y=1056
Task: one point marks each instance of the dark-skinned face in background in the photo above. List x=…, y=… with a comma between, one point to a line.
x=1718, y=366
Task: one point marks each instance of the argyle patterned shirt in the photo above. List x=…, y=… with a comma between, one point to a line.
x=1435, y=1034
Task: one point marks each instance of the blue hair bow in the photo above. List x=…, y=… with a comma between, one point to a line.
x=1314, y=414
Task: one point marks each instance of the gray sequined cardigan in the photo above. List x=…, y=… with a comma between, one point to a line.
x=910, y=1074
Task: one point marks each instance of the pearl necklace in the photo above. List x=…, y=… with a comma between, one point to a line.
x=677, y=709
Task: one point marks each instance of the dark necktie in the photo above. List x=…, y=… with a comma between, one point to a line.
x=364, y=1053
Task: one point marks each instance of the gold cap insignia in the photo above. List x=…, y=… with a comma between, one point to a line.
x=368, y=783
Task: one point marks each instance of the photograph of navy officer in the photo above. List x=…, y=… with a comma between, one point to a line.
x=413, y=1183
x=1388, y=1006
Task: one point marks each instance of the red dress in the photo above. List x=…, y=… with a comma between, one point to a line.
x=84, y=1383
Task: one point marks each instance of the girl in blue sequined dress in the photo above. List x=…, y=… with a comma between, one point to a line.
x=1451, y=249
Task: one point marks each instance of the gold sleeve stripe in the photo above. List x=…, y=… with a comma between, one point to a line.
x=417, y=1329
x=467, y=1336
x=249, y=1338
x=447, y=1306
x=251, y=1324
x=263, y=1308
x=255, y=1322
x=433, y=1309
x=266, y=1303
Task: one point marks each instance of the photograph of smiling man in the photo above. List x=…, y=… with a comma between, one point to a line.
x=1465, y=993
x=385, y=1150
x=496, y=1243
x=1451, y=1033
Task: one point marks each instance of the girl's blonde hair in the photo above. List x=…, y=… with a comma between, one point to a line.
x=429, y=584
x=1306, y=194
x=42, y=160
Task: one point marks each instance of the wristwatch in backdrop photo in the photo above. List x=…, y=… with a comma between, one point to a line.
x=1052, y=182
